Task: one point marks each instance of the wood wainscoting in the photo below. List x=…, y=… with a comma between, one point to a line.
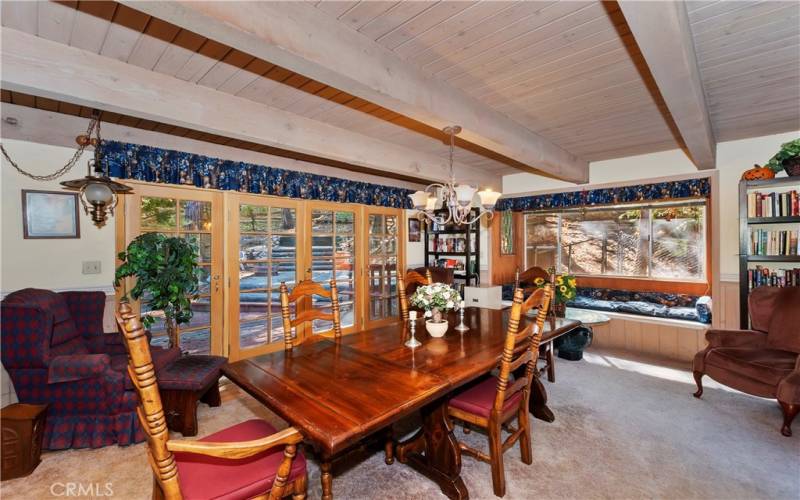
x=667, y=338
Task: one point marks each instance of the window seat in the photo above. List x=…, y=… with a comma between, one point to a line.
x=652, y=304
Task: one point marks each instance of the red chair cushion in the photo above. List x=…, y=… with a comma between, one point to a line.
x=203, y=477
x=479, y=399
x=769, y=366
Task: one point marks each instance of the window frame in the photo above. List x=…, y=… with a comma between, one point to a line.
x=647, y=209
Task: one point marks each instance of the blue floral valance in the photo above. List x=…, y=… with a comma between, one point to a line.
x=150, y=164
x=689, y=188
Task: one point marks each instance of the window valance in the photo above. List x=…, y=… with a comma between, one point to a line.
x=671, y=190
x=151, y=164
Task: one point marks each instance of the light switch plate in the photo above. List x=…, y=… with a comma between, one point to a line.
x=91, y=267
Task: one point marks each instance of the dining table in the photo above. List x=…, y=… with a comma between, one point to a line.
x=338, y=392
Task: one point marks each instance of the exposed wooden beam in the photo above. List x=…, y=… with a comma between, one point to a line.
x=40, y=67
x=662, y=32
x=58, y=129
x=299, y=37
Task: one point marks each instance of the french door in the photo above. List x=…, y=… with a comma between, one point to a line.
x=385, y=250
x=195, y=215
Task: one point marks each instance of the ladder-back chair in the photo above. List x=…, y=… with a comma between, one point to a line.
x=308, y=288
x=404, y=283
x=495, y=402
x=248, y=460
x=527, y=281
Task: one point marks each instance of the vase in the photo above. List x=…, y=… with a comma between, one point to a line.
x=436, y=329
x=792, y=166
x=560, y=309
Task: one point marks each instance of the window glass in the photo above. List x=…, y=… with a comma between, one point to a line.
x=679, y=249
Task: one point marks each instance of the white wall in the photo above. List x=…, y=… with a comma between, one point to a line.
x=53, y=264
x=733, y=158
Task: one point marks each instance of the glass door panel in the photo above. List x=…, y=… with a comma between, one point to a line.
x=265, y=257
x=190, y=215
x=333, y=257
x=383, y=243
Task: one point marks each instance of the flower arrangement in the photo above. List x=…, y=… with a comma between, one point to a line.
x=434, y=299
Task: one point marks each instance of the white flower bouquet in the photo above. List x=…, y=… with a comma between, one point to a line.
x=435, y=299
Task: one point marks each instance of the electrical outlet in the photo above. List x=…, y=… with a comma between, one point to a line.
x=91, y=267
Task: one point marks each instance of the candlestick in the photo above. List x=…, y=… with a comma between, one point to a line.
x=461, y=326
x=412, y=342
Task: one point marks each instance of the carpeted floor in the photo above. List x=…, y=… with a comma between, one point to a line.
x=626, y=428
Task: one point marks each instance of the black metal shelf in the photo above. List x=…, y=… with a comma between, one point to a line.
x=454, y=254
x=471, y=255
x=773, y=220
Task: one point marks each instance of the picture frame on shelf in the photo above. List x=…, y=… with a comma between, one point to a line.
x=414, y=230
x=50, y=215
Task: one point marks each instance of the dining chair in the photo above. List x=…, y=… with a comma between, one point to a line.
x=250, y=459
x=527, y=281
x=495, y=402
x=308, y=288
x=411, y=278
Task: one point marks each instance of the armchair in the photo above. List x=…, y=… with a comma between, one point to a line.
x=763, y=361
x=55, y=351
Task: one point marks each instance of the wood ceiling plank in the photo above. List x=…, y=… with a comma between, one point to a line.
x=69, y=108
x=200, y=63
x=517, y=13
x=5, y=95
x=183, y=47
x=433, y=16
x=247, y=75
x=743, y=128
x=639, y=149
x=92, y=22
x=788, y=40
x=364, y=12
x=23, y=99
x=124, y=33
x=708, y=13
x=784, y=55
x=464, y=21
x=20, y=15
x=223, y=70
x=56, y=20
x=152, y=43
x=45, y=103
x=400, y=13
x=336, y=8
x=757, y=39
x=508, y=38
x=779, y=12
x=734, y=16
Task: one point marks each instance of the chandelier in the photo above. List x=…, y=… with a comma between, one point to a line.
x=98, y=193
x=457, y=198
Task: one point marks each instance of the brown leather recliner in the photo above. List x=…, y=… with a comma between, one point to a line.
x=763, y=361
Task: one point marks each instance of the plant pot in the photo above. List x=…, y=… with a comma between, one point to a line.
x=792, y=166
x=436, y=329
x=758, y=173
x=560, y=309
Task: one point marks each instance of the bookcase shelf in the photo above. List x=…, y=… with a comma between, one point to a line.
x=747, y=224
x=471, y=245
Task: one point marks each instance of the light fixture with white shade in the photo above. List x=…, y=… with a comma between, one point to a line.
x=457, y=198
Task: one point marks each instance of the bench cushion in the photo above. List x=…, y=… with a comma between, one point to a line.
x=191, y=373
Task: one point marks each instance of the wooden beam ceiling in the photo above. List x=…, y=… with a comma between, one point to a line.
x=301, y=38
x=662, y=32
x=36, y=66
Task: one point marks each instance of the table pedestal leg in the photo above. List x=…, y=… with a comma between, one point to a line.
x=434, y=452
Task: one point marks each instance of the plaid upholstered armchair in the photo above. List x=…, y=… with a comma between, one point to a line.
x=55, y=351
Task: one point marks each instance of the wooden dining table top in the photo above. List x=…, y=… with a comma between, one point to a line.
x=336, y=393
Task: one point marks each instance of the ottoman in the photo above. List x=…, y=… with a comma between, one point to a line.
x=183, y=383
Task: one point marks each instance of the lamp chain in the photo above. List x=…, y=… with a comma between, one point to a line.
x=66, y=168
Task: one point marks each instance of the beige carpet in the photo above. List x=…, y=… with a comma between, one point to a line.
x=624, y=429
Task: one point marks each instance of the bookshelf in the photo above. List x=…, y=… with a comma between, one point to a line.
x=769, y=230
x=454, y=247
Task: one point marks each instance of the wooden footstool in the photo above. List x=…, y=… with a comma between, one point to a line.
x=183, y=384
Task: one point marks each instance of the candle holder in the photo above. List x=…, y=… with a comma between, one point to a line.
x=461, y=326
x=412, y=342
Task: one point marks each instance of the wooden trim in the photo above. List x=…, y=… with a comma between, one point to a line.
x=503, y=267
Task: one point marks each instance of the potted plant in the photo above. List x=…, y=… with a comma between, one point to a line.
x=435, y=299
x=166, y=275
x=788, y=158
x=564, y=289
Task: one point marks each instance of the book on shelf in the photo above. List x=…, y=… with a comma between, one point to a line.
x=763, y=276
x=774, y=204
x=454, y=244
x=774, y=242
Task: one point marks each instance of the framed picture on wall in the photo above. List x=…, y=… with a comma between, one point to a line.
x=414, y=230
x=506, y=233
x=50, y=215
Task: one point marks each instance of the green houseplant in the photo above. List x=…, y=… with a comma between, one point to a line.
x=787, y=158
x=166, y=275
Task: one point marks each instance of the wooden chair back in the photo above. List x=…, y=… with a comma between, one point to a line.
x=527, y=278
x=403, y=284
x=530, y=337
x=160, y=449
x=308, y=288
